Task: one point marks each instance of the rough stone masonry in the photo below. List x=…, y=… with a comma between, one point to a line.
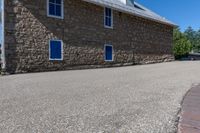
x=28, y=30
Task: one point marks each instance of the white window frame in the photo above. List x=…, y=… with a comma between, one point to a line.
x=53, y=59
x=3, y=58
x=110, y=45
x=54, y=16
x=106, y=26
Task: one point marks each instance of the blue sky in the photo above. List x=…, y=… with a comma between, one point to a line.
x=182, y=12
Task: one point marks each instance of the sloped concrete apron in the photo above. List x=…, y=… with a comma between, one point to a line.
x=190, y=114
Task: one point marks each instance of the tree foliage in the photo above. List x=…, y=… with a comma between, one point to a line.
x=182, y=45
x=194, y=37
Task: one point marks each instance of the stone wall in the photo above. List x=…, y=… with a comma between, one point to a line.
x=28, y=31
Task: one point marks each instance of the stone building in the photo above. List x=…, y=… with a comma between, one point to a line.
x=47, y=35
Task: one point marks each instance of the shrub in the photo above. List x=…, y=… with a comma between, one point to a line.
x=181, y=44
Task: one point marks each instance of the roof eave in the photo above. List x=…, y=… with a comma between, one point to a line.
x=155, y=20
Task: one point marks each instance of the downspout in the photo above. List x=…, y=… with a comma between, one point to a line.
x=3, y=60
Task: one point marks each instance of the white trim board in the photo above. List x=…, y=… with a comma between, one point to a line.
x=3, y=60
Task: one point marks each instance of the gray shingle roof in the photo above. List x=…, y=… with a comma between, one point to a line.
x=137, y=10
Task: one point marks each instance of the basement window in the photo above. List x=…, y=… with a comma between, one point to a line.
x=55, y=50
x=55, y=8
x=108, y=52
x=108, y=18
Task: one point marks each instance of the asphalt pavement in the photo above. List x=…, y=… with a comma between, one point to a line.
x=134, y=99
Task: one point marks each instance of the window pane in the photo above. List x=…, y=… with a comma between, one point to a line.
x=58, y=2
x=108, y=12
x=108, y=22
x=58, y=10
x=55, y=50
x=108, y=17
x=51, y=9
x=55, y=8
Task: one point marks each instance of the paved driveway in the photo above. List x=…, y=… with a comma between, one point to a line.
x=135, y=99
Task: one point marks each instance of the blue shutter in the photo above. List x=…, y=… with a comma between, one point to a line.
x=108, y=53
x=55, y=50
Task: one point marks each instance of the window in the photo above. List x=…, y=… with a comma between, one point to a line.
x=108, y=18
x=55, y=50
x=108, y=52
x=55, y=8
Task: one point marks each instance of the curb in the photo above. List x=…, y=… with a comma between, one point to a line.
x=189, y=121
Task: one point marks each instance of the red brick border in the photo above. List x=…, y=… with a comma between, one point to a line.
x=190, y=114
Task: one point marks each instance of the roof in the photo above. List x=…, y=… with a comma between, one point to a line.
x=137, y=10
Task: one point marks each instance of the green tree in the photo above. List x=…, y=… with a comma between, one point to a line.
x=181, y=44
x=197, y=41
x=194, y=37
x=190, y=34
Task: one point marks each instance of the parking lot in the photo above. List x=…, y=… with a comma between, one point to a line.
x=134, y=99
